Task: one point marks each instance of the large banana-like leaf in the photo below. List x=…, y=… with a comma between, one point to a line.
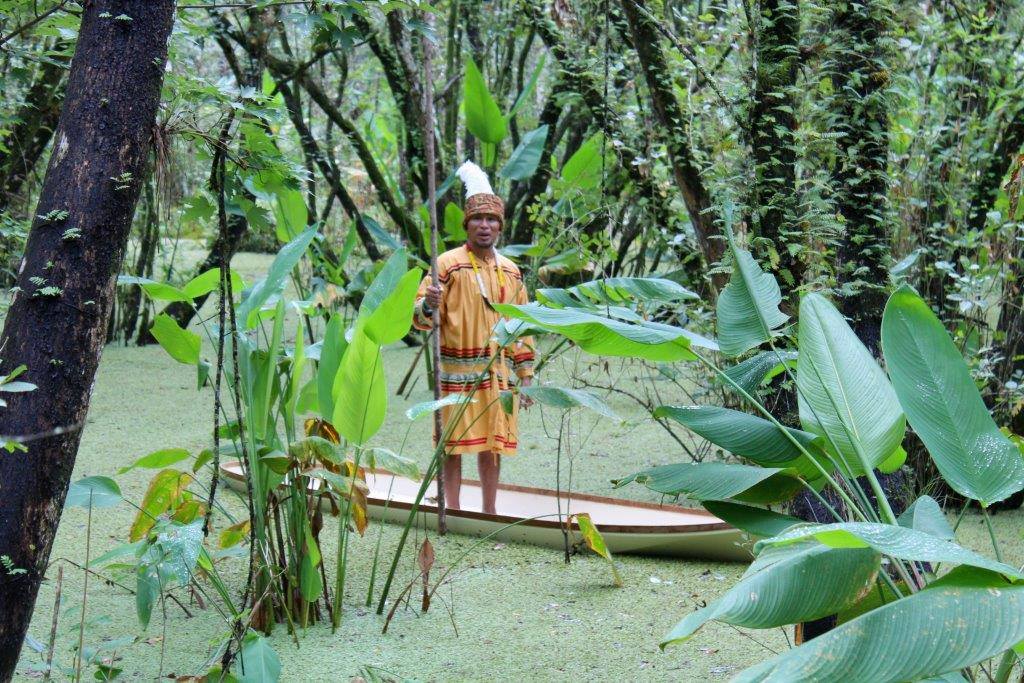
x=360, y=393
x=950, y=625
x=842, y=393
x=747, y=436
x=748, y=308
x=753, y=520
x=788, y=585
x=718, y=481
x=605, y=336
x=926, y=515
x=616, y=291
x=943, y=405
x=750, y=373
x=888, y=539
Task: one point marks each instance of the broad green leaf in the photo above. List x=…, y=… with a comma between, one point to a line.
x=926, y=515
x=164, y=490
x=311, y=585
x=483, y=118
x=100, y=492
x=147, y=592
x=842, y=393
x=943, y=405
x=566, y=399
x=157, y=459
x=718, y=481
x=755, y=521
x=747, y=436
x=313, y=449
x=158, y=291
x=786, y=586
x=257, y=661
x=453, y=228
x=895, y=541
x=351, y=240
x=605, y=336
x=616, y=291
x=291, y=213
x=529, y=86
x=753, y=371
x=425, y=408
x=595, y=541
x=526, y=157
x=935, y=631
x=582, y=171
x=393, y=317
x=384, y=283
x=382, y=237
x=204, y=283
x=180, y=545
x=234, y=534
x=331, y=353
x=182, y=345
x=360, y=398
x=287, y=258
x=748, y=308
x=384, y=459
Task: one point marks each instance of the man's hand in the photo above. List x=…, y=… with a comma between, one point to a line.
x=524, y=400
x=433, y=297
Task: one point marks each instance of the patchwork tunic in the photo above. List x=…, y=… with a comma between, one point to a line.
x=467, y=345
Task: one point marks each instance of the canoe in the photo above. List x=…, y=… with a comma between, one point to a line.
x=628, y=527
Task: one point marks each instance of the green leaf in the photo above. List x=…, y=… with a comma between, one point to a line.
x=164, y=490
x=384, y=283
x=842, y=393
x=934, y=631
x=529, y=86
x=385, y=459
x=418, y=410
x=291, y=213
x=147, y=592
x=604, y=336
x=257, y=661
x=616, y=291
x=942, y=403
x=718, y=481
x=483, y=117
x=595, y=541
x=100, y=492
x=157, y=459
x=205, y=283
x=453, y=228
x=158, y=291
x=393, y=317
x=753, y=520
x=311, y=585
x=747, y=436
x=382, y=237
x=331, y=353
x=582, y=171
x=786, y=586
x=567, y=399
x=180, y=545
x=287, y=258
x=926, y=515
x=360, y=398
x=895, y=541
x=752, y=372
x=526, y=157
x=182, y=345
x=748, y=308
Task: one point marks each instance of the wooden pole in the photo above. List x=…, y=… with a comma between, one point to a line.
x=435, y=346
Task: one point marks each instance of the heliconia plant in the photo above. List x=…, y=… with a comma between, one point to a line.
x=899, y=620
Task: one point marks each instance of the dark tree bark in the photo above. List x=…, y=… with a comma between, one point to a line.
x=859, y=111
x=674, y=130
x=104, y=134
x=773, y=201
x=36, y=120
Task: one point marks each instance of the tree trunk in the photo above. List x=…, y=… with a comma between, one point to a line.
x=859, y=111
x=36, y=120
x=99, y=151
x=773, y=201
x=674, y=129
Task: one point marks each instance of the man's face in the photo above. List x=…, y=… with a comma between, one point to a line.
x=483, y=230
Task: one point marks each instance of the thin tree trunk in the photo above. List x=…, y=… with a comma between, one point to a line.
x=104, y=134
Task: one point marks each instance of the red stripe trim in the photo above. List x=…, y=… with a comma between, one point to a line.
x=461, y=387
x=463, y=353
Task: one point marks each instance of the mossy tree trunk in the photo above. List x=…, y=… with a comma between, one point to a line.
x=57, y=330
x=773, y=202
x=859, y=111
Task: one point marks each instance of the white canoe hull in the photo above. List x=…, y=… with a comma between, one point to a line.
x=628, y=527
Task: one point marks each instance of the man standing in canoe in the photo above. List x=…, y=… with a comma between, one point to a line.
x=473, y=278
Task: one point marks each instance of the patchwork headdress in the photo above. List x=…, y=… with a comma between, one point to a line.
x=480, y=198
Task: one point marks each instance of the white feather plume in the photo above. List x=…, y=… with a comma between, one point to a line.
x=474, y=179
